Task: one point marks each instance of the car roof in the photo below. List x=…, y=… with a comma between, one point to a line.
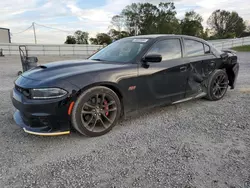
x=162, y=35
x=155, y=36
x=152, y=36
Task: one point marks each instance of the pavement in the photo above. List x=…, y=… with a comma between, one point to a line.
x=194, y=144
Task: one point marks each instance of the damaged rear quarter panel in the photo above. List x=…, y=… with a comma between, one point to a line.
x=231, y=65
x=200, y=70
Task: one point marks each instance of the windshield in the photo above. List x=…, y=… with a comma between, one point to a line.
x=122, y=51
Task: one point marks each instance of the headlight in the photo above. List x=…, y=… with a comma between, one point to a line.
x=47, y=93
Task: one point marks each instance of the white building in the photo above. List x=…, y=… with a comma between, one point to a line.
x=4, y=35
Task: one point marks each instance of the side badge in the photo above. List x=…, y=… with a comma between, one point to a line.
x=131, y=88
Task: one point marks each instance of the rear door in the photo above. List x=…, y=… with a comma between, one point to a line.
x=202, y=63
x=163, y=82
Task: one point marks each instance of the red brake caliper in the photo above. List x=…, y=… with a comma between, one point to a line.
x=106, y=107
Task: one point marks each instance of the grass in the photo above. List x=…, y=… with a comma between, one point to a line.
x=245, y=48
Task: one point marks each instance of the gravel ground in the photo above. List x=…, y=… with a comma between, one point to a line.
x=194, y=144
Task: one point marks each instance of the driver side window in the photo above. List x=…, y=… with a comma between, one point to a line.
x=168, y=49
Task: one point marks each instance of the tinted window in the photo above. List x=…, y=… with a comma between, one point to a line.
x=207, y=49
x=194, y=48
x=169, y=49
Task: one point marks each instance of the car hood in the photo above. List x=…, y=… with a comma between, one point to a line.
x=63, y=69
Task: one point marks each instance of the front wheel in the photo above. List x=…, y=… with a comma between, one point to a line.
x=96, y=111
x=217, y=85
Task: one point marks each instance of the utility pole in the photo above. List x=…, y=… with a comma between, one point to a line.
x=34, y=29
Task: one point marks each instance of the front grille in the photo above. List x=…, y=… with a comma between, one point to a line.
x=25, y=92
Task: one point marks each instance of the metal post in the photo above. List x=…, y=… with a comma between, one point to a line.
x=34, y=30
x=88, y=51
x=1, y=53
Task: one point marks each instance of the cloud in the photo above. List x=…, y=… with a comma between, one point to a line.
x=71, y=15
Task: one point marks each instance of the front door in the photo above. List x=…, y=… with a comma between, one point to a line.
x=163, y=82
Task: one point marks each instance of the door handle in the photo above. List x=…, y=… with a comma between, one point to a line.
x=183, y=69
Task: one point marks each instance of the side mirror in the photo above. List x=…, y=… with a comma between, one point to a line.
x=152, y=58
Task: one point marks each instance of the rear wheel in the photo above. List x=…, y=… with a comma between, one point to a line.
x=217, y=85
x=96, y=111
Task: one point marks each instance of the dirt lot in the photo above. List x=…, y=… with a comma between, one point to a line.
x=193, y=144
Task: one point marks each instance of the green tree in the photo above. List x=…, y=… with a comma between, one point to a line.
x=204, y=34
x=101, y=39
x=192, y=24
x=168, y=24
x=226, y=24
x=131, y=18
x=81, y=37
x=237, y=24
x=118, y=22
x=148, y=14
x=93, y=41
x=70, y=40
x=248, y=28
x=116, y=35
x=246, y=33
x=146, y=18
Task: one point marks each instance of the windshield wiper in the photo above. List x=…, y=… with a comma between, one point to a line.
x=97, y=59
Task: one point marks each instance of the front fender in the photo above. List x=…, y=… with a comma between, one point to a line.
x=119, y=81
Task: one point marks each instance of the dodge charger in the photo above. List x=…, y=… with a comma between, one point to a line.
x=133, y=73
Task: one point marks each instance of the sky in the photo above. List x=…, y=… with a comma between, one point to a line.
x=92, y=16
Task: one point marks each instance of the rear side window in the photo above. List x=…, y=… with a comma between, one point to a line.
x=194, y=48
x=168, y=49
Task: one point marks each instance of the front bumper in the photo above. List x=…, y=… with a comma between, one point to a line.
x=41, y=117
x=42, y=131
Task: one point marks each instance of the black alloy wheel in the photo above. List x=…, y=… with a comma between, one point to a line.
x=96, y=111
x=217, y=85
x=220, y=86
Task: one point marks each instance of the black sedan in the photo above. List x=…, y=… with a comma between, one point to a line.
x=130, y=74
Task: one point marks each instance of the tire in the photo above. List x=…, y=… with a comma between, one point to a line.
x=99, y=105
x=216, y=89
